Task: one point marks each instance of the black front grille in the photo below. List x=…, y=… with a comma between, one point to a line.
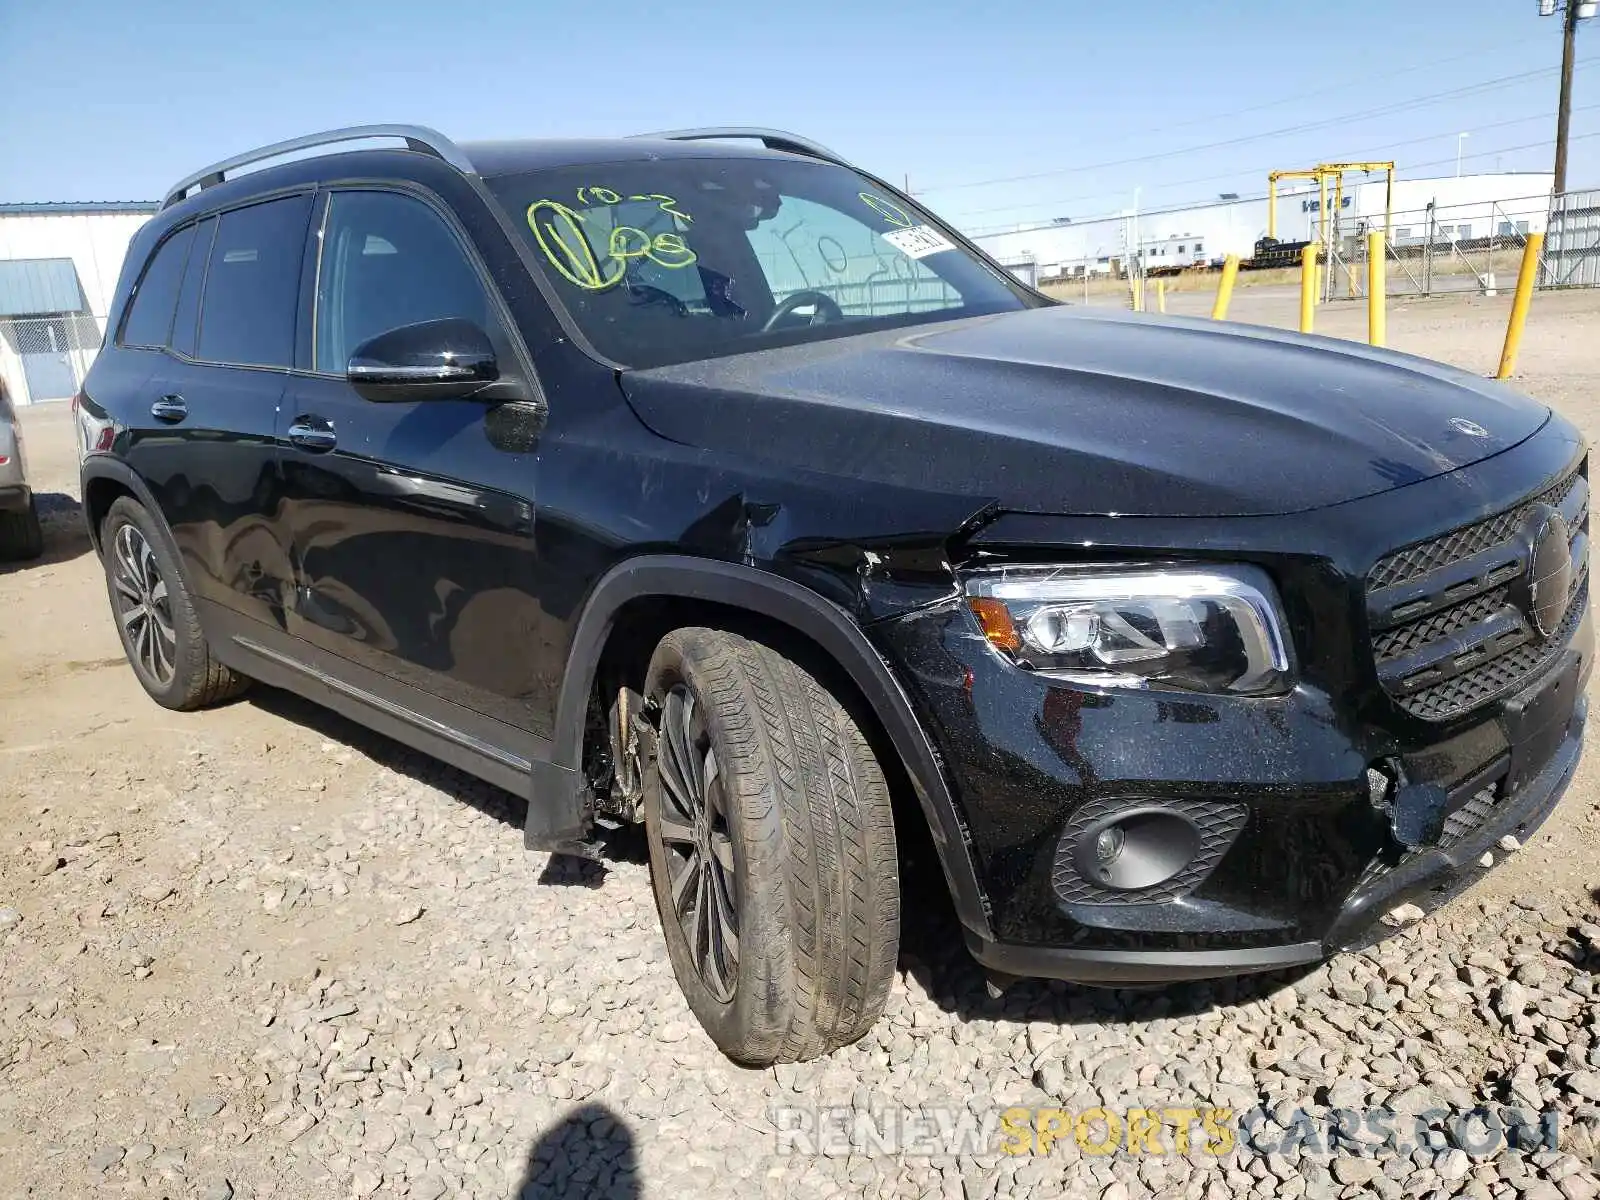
x=1418, y=560
x=1449, y=633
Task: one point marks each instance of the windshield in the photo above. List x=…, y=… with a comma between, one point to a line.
x=672, y=260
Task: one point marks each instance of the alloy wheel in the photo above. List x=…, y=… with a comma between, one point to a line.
x=698, y=844
x=144, y=606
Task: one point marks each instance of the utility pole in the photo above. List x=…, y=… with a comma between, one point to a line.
x=1575, y=10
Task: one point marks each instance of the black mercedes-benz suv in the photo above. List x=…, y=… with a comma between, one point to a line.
x=705, y=481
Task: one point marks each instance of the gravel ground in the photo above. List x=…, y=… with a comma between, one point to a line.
x=260, y=952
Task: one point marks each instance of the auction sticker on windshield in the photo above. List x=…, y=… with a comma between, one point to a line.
x=919, y=241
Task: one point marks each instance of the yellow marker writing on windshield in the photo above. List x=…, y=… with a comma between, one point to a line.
x=888, y=210
x=669, y=205
x=562, y=239
x=669, y=250
x=558, y=231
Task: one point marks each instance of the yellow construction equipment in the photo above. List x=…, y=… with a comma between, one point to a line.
x=1322, y=173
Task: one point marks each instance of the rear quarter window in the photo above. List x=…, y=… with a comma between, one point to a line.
x=150, y=313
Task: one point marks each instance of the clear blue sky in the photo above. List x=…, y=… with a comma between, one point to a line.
x=112, y=101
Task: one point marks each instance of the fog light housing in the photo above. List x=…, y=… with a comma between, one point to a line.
x=1138, y=849
x=1121, y=850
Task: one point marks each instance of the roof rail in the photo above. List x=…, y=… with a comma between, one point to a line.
x=772, y=139
x=416, y=137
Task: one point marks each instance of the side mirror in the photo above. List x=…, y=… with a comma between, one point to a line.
x=449, y=359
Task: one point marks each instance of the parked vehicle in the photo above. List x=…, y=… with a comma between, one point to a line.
x=724, y=489
x=20, y=533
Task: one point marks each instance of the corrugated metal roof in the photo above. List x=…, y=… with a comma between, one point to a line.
x=30, y=287
x=67, y=208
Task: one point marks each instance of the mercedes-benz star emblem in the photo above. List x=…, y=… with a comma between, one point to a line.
x=1470, y=428
x=1549, y=578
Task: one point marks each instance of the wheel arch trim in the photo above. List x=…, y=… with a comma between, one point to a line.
x=105, y=467
x=824, y=623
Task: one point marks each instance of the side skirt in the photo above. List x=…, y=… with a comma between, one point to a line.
x=499, y=754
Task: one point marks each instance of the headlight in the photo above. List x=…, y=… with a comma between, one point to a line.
x=1196, y=629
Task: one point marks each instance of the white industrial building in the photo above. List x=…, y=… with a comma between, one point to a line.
x=58, y=268
x=1457, y=208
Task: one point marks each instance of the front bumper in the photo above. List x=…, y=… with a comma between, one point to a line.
x=1298, y=846
x=1428, y=879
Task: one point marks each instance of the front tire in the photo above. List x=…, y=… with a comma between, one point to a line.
x=155, y=615
x=772, y=850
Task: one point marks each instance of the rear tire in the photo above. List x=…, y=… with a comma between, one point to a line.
x=21, y=535
x=155, y=615
x=795, y=841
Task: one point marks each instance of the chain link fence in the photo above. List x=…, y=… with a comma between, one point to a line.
x=46, y=358
x=1436, y=249
x=1471, y=248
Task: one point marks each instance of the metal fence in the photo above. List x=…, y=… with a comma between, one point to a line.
x=1572, y=244
x=46, y=358
x=1436, y=249
x=1432, y=250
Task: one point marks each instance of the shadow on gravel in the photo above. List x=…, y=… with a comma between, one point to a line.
x=65, y=537
x=387, y=752
x=932, y=950
x=619, y=845
x=589, y=1154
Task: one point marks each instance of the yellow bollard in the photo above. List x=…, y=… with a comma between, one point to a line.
x=1138, y=294
x=1308, y=286
x=1377, y=290
x=1519, y=306
x=1161, y=295
x=1230, y=272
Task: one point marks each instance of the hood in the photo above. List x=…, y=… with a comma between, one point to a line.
x=1085, y=411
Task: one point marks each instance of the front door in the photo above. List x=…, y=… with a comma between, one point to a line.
x=411, y=523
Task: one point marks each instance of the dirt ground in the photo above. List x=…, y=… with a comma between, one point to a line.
x=170, y=883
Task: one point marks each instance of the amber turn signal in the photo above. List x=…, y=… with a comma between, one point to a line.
x=995, y=619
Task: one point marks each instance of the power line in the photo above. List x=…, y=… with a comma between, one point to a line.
x=1432, y=137
x=1383, y=110
x=1200, y=206
x=1343, y=86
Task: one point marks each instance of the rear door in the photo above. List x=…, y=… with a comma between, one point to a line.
x=207, y=443
x=411, y=523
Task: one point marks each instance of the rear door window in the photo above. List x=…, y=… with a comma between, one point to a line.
x=150, y=314
x=252, y=286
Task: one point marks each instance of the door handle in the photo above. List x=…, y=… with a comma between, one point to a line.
x=313, y=433
x=170, y=408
